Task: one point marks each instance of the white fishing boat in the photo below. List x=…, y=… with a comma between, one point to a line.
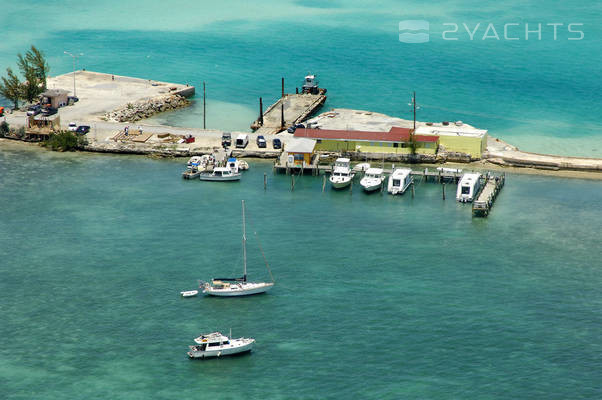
x=373, y=179
x=342, y=175
x=399, y=181
x=361, y=167
x=468, y=187
x=217, y=345
x=189, y=293
x=234, y=165
x=194, y=162
x=231, y=287
x=220, y=174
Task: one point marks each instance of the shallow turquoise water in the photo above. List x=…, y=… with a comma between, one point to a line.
x=376, y=296
x=538, y=94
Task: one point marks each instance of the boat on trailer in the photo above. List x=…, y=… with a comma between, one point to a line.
x=399, y=181
x=217, y=345
x=232, y=287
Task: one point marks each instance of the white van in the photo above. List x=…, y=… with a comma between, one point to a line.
x=242, y=141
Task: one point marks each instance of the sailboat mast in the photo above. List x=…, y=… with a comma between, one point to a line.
x=244, y=242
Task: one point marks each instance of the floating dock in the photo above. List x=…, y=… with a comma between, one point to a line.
x=493, y=185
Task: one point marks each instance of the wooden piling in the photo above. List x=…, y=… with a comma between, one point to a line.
x=265, y=181
x=443, y=190
x=292, y=182
x=412, y=188
x=323, y=183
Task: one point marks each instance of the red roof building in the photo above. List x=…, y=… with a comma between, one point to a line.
x=395, y=134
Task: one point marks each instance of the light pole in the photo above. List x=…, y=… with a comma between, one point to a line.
x=74, y=58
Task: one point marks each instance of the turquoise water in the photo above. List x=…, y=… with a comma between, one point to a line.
x=376, y=296
x=539, y=94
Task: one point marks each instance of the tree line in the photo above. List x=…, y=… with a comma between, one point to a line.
x=34, y=69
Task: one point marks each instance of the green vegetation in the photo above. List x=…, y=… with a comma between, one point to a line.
x=65, y=141
x=4, y=128
x=34, y=69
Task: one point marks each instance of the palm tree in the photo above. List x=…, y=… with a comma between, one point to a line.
x=11, y=88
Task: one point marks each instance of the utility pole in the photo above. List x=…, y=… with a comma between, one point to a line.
x=413, y=105
x=205, y=108
x=74, y=59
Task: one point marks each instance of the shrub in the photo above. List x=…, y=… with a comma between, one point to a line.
x=65, y=141
x=4, y=128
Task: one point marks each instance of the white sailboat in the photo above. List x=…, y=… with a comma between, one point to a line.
x=230, y=287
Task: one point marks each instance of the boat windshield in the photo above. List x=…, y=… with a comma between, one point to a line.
x=465, y=189
x=396, y=182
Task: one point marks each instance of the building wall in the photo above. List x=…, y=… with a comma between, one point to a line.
x=475, y=146
x=301, y=157
x=427, y=147
x=364, y=147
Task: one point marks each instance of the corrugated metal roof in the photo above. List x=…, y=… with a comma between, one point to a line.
x=395, y=134
x=424, y=138
x=301, y=145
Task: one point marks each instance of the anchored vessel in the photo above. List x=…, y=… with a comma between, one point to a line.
x=230, y=287
x=399, y=181
x=373, y=179
x=216, y=345
x=341, y=175
x=468, y=187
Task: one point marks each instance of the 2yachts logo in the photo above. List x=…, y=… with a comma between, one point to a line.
x=418, y=31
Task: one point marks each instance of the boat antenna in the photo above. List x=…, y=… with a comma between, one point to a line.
x=244, y=243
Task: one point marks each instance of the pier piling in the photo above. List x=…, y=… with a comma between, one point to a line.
x=412, y=188
x=443, y=189
x=292, y=182
x=265, y=181
x=323, y=183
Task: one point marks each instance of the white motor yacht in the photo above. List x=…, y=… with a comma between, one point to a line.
x=217, y=345
x=342, y=175
x=373, y=179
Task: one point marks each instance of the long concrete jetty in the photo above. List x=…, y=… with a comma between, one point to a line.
x=288, y=110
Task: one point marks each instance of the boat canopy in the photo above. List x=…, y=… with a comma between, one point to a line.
x=232, y=159
x=241, y=279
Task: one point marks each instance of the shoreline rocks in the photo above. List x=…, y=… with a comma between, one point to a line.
x=142, y=109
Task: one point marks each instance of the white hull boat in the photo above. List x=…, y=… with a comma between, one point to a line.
x=399, y=181
x=220, y=174
x=189, y=293
x=233, y=287
x=217, y=345
x=342, y=175
x=372, y=180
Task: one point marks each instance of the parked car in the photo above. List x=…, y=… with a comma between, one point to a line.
x=72, y=126
x=34, y=110
x=261, y=143
x=82, y=129
x=226, y=139
x=299, y=126
x=291, y=129
x=276, y=143
x=72, y=99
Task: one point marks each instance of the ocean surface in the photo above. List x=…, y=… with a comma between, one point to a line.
x=376, y=297
x=539, y=90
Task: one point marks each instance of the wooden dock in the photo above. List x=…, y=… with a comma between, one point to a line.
x=493, y=185
x=288, y=110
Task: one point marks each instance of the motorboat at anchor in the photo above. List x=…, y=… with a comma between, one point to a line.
x=342, y=175
x=217, y=345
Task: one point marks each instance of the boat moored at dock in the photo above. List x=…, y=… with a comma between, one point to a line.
x=342, y=175
x=220, y=174
x=217, y=345
x=399, y=181
x=373, y=179
x=468, y=187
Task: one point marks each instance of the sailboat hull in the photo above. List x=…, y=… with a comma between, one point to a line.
x=239, y=289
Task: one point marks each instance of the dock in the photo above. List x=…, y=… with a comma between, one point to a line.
x=493, y=185
x=287, y=111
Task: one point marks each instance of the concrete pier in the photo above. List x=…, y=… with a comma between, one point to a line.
x=297, y=108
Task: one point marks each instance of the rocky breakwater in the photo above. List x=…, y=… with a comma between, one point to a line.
x=142, y=109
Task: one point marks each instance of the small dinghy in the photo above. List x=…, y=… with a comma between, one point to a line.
x=189, y=293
